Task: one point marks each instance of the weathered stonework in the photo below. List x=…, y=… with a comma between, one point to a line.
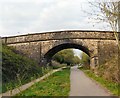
x=99, y=45
x=107, y=49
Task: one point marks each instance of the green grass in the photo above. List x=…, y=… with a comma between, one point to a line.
x=17, y=69
x=57, y=84
x=111, y=86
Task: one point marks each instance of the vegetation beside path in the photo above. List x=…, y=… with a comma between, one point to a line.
x=58, y=84
x=17, y=69
x=111, y=86
x=106, y=74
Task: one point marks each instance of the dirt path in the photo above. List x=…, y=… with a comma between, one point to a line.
x=81, y=85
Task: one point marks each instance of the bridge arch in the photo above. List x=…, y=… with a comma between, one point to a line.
x=48, y=56
x=100, y=45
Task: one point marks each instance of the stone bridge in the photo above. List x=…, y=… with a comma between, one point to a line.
x=99, y=45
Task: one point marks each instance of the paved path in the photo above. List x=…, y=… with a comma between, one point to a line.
x=81, y=85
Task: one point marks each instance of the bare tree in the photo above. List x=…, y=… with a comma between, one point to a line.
x=110, y=14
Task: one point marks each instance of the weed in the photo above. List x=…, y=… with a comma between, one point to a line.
x=57, y=84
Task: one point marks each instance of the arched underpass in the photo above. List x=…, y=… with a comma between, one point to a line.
x=99, y=45
x=48, y=56
x=79, y=83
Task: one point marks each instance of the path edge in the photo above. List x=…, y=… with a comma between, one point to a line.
x=100, y=85
x=25, y=86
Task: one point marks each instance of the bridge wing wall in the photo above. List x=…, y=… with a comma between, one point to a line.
x=107, y=49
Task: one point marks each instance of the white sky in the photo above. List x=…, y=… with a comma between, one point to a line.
x=27, y=16
x=77, y=52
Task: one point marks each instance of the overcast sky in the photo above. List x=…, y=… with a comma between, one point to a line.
x=19, y=17
x=28, y=16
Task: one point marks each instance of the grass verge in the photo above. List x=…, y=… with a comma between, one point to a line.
x=111, y=86
x=17, y=69
x=57, y=84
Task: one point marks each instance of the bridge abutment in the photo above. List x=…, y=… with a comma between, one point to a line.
x=94, y=62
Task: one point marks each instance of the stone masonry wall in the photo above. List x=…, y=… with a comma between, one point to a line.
x=101, y=44
x=107, y=49
x=59, y=35
x=31, y=49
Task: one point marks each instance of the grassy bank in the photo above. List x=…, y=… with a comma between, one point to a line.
x=111, y=86
x=57, y=84
x=17, y=69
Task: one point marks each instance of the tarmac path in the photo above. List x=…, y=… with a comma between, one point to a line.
x=81, y=85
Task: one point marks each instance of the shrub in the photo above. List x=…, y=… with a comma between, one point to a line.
x=17, y=68
x=15, y=65
x=109, y=67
